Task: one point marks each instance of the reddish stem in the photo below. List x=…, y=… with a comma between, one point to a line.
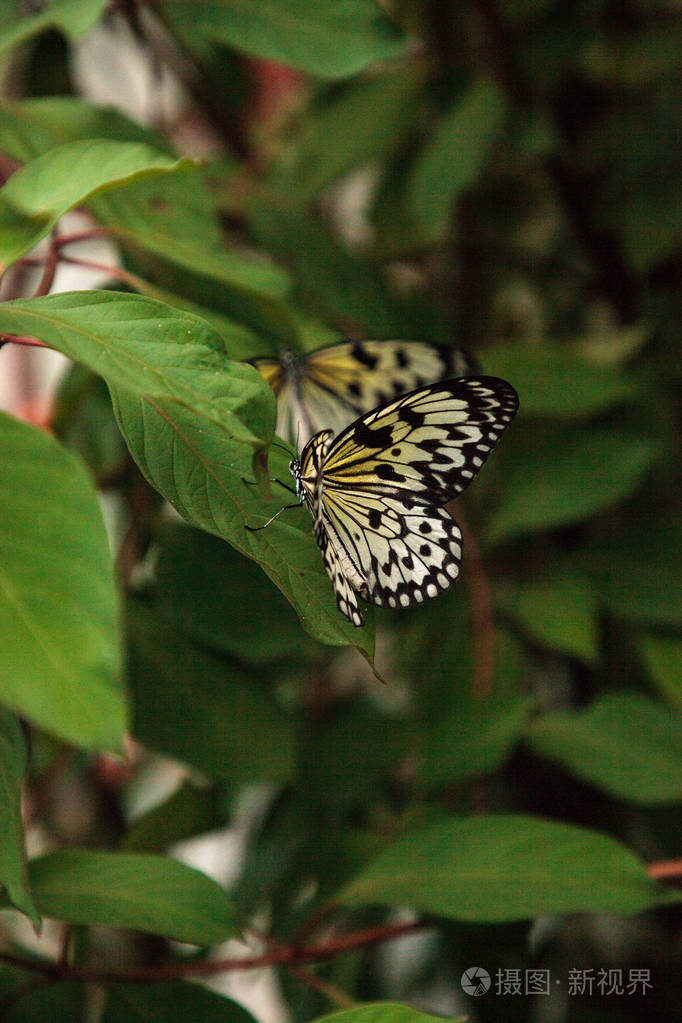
x=665, y=868
x=18, y=339
x=289, y=955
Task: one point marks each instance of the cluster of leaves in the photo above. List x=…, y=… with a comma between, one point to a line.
x=516, y=171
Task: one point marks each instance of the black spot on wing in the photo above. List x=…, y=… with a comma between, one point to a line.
x=385, y=471
x=367, y=437
x=360, y=354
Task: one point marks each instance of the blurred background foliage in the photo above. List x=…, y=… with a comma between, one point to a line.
x=494, y=175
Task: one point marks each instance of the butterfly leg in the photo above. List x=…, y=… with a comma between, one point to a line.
x=287, y=507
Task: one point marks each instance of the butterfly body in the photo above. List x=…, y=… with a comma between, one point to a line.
x=376, y=492
x=329, y=388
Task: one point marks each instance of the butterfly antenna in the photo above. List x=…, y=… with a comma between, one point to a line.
x=257, y=529
x=283, y=447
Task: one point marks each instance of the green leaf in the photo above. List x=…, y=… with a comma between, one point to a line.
x=181, y=691
x=59, y=630
x=38, y=194
x=142, y=892
x=200, y=581
x=384, y=1012
x=344, y=285
x=639, y=573
x=472, y=739
x=348, y=128
x=554, y=478
x=348, y=758
x=176, y=1002
x=332, y=38
x=186, y=460
x=152, y=350
x=506, y=867
x=83, y=420
x=177, y=221
x=12, y=860
x=662, y=656
x=623, y=743
x=174, y=217
x=453, y=158
x=188, y=812
x=72, y=17
x=33, y=126
x=559, y=611
x=553, y=382
x=28, y=1000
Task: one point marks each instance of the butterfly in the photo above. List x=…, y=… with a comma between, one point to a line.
x=376, y=492
x=329, y=388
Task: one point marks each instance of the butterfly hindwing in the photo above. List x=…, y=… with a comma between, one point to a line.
x=377, y=491
x=402, y=551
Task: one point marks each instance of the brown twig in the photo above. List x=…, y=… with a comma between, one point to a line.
x=331, y=991
x=49, y=270
x=86, y=235
x=664, y=869
x=284, y=955
x=138, y=283
x=482, y=614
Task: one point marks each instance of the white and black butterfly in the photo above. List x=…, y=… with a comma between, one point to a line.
x=377, y=491
x=329, y=388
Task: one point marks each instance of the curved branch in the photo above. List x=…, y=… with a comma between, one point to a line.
x=284, y=955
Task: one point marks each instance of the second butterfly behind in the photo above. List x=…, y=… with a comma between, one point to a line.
x=329, y=388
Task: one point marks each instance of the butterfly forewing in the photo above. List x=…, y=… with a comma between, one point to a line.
x=431, y=442
x=377, y=491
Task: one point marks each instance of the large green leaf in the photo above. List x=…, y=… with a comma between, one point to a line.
x=554, y=382
x=187, y=460
x=176, y=1002
x=191, y=420
x=559, y=611
x=140, y=891
x=557, y=477
x=473, y=738
x=638, y=573
x=153, y=350
x=181, y=692
x=31, y=127
x=72, y=17
x=38, y=194
x=331, y=38
x=58, y=610
x=662, y=656
x=190, y=811
x=201, y=582
x=623, y=743
x=455, y=154
x=25, y=999
x=12, y=861
x=505, y=867
x=384, y=1012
